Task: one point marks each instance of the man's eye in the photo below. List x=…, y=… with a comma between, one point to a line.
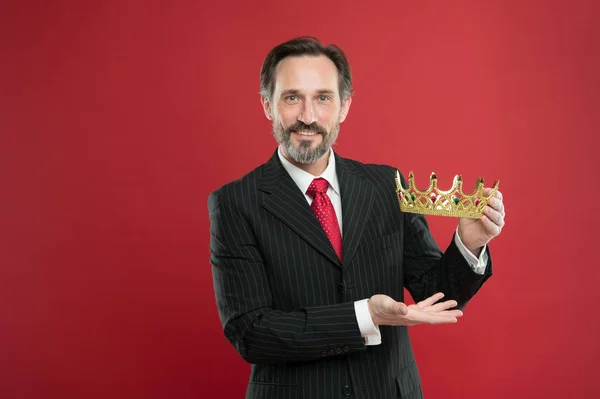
x=323, y=98
x=292, y=98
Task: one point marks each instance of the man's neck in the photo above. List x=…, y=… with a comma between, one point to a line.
x=316, y=168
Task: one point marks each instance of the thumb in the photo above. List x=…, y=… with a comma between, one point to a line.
x=401, y=308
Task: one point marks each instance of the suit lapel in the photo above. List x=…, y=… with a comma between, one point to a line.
x=287, y=203
x=357, y=199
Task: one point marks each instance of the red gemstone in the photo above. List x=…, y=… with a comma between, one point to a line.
x=476, y=202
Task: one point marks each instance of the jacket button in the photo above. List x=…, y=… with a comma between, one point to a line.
x=338, y=350
x=346, y=349
x=331, y=352
x=323, y=353
x=341, y=288
x=347, y=390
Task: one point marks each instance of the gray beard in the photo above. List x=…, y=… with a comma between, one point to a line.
x=304, y=153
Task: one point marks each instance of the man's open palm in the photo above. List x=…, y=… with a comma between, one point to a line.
x=386, y=311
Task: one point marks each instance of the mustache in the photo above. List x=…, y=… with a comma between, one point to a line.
x=299, y=125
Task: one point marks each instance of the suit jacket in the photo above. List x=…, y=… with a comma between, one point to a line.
x=286, y=301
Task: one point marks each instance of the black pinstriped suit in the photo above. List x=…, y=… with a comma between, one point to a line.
x=287, y=303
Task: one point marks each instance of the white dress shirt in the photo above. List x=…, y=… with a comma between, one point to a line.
x=368, y=329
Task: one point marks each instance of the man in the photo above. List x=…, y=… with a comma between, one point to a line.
x=310, y=251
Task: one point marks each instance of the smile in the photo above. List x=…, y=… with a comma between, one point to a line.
x=305, y=133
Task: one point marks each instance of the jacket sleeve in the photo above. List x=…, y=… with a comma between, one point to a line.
x=260, y=333
x=427, y=270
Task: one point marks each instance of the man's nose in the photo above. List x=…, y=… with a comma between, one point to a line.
x=308, y=115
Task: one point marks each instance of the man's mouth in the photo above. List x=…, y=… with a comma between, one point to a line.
x=305, y=132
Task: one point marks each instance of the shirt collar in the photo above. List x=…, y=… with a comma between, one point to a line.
x=303, y=178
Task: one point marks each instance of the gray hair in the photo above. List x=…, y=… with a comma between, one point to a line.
x=300, y=46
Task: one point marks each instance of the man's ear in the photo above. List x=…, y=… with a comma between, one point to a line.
x=266, y=107
x=345, y=108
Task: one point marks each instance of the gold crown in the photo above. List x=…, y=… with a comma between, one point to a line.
x=434, y=201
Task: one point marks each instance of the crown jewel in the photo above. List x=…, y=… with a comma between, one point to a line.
x=434, y=201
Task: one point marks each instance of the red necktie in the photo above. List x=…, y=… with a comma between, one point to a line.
x=324, y=211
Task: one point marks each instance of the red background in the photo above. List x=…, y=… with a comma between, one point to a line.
x=118, y=118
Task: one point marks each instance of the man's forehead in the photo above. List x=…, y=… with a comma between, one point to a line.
x=306, y=72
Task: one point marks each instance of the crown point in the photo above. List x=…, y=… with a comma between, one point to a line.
x=433, y=176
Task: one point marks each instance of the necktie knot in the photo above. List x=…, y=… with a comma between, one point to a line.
x=318, y=185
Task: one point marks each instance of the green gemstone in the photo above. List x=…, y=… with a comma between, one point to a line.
x=456, y=200
x=412, y=196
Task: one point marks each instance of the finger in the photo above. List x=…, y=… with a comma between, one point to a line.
x=488, y=190
x=401, y=308
x=496, y=204
x=440, y=307
x=416, y=316
x=491, y=228
x=431, y=300
x=494, y=215
x=453, y=313
x=450, y=316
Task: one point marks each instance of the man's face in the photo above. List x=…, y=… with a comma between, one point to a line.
x=306, y=109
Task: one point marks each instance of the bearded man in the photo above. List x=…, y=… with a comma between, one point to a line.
x=311, y=252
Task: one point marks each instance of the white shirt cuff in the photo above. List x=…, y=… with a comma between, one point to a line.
x=477, y=264
x=368, y=329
